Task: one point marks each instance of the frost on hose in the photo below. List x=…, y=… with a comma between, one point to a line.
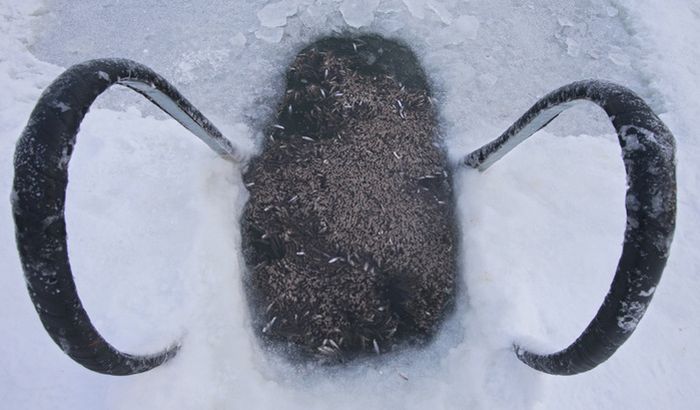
x=632, y=314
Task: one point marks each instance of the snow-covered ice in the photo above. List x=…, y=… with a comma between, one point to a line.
x=152, y=214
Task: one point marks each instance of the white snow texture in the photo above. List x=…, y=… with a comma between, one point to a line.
x=152, y=214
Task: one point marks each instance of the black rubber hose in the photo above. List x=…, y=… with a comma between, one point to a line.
x=38, y=199
x=648, y=152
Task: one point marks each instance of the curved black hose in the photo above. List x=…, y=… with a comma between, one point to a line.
x=38, y=199
x=648, y=151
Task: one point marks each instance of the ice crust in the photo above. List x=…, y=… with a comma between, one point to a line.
x=152, y=214
x=275, y=14
x=358, y=13
x=416, y=8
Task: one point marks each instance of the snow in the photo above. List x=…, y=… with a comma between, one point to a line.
x=153, y=214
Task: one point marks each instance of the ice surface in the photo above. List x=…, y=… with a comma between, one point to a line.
x=358, y=13
x=238, y=41
x=152, y=214
x=463, y=28
x=416, y=8
x=441, y=11
x=572, y=47
x=271, y=35
x=275, y=14
x=467, y=26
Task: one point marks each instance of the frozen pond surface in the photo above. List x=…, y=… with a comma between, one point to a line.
x=488, y=59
